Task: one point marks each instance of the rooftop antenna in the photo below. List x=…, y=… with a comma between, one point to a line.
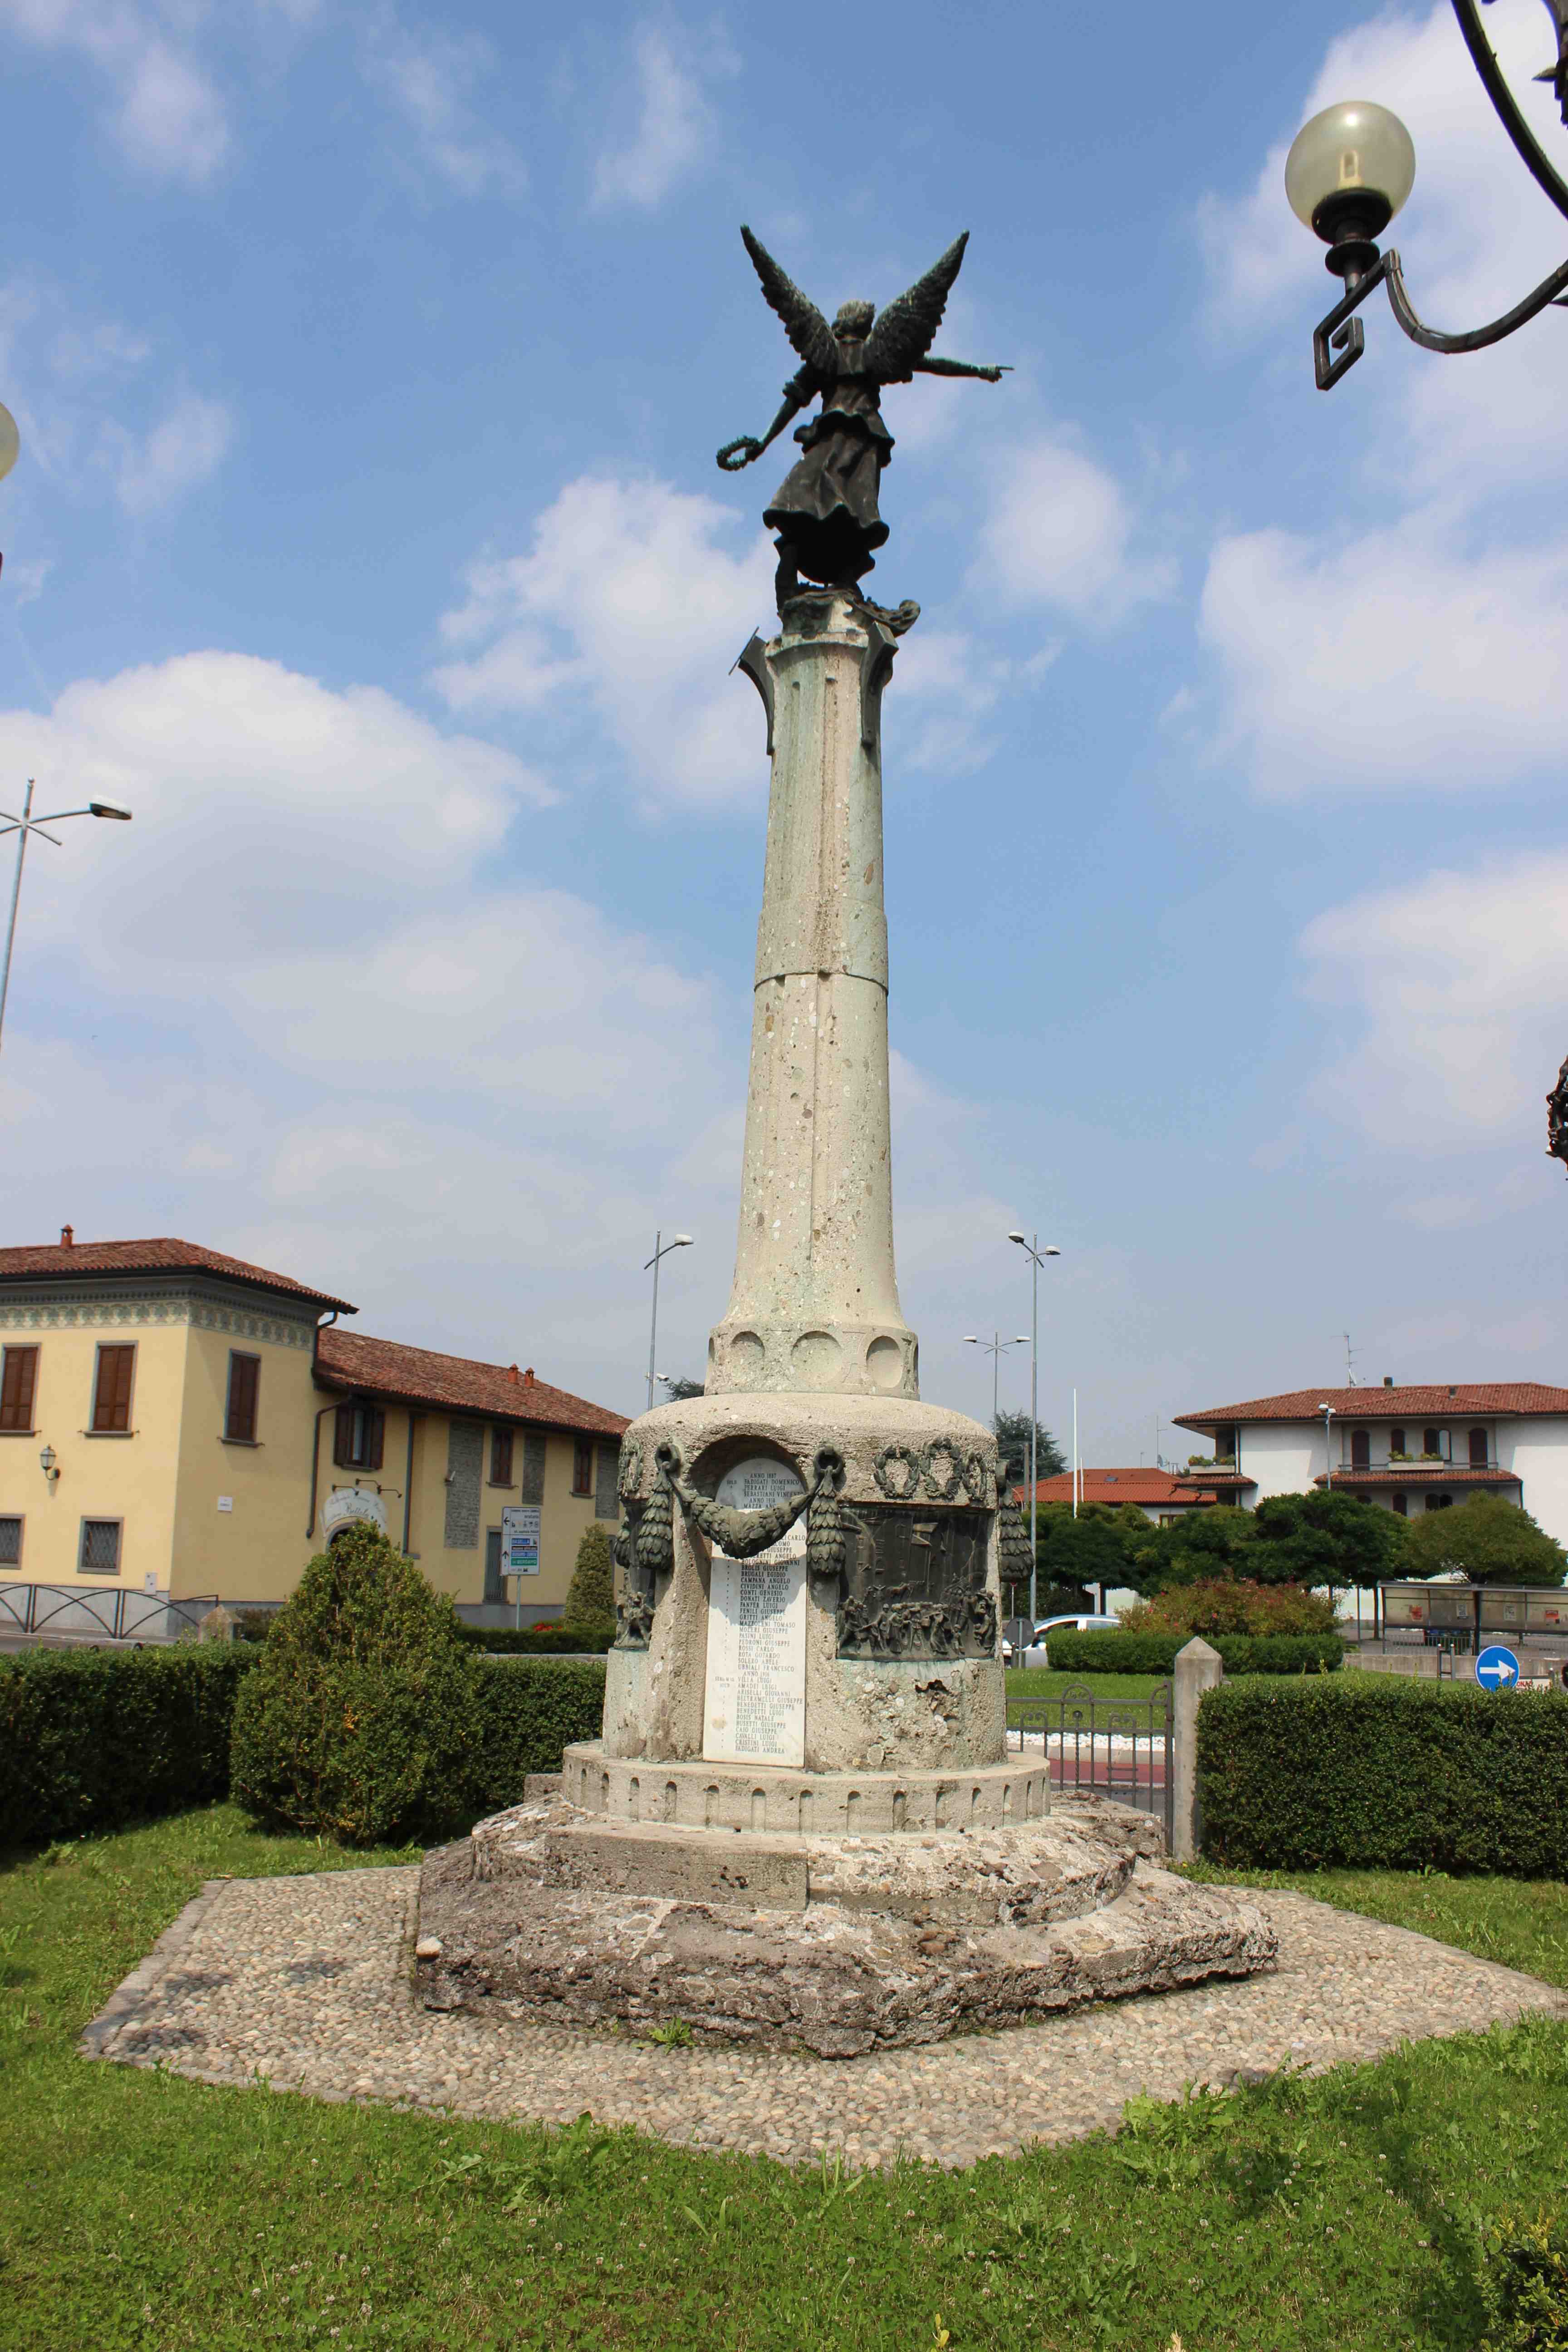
x=1350, y=1381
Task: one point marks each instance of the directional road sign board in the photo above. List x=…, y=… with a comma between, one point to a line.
x=1497, y=1669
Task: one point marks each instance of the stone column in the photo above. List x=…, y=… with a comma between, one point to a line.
x=1198, y=1669
x=815, y=1303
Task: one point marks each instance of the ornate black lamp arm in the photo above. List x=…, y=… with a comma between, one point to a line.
x=1503, y=101
x=1342, y=333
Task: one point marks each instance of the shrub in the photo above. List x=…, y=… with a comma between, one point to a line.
x=1215, y=1606
x=527, y=1711
x=1522, y=2273
x=591, y=1595
x=1156, y=1654
x=356, y=1722
x=539, y=1640
x=1365, y=1771
x=90, y=1740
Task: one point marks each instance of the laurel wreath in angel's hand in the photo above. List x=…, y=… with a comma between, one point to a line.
x=736, y=455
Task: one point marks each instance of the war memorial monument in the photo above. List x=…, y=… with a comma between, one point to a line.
x=802, y=1824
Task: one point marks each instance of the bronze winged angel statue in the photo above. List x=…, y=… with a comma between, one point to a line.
x=825, y=511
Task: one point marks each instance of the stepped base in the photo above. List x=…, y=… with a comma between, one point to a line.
x=767, y=1797
x=839, y=1945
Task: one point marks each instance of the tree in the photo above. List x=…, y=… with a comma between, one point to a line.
x=1011, y=1431
x=1328, y=1538
x=1216, y=1543
x=1093, y=1549
x=591, y=1595
x=357, y=1720
x=679, y=1390
x=1493, y=1542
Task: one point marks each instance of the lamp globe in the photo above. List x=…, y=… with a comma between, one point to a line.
x=1350, y=169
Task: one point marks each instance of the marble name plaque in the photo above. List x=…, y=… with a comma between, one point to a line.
x=754, y=1711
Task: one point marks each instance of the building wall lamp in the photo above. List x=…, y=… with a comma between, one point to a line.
x=1351, y=169
x=50, y=1467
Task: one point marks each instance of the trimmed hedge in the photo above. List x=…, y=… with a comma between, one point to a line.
x=1367, y=1771
x=538, y=1640
x=93, y=1739
x=90, y=1740
x=1156, y=1654
x=528, y=1710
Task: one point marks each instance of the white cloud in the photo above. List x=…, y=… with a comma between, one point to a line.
x=169, y=116
x=431, y=83
x=1057, y=532
x=629, y=598
x=674, y=129
x=1476, y=235
x=184, y=450
x=1459, y=988
x=1400, y=659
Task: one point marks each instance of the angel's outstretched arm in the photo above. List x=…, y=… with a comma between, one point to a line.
x=958, y=367
x=797, y=392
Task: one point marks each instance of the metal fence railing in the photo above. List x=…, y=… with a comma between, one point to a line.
x=102, y=1613
x=1112, y=1747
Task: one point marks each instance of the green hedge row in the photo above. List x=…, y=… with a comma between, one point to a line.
x=91, y=1739
x=530, y=1709
x=1156, y=1654
x=1370, y=1772
x=539, y=1640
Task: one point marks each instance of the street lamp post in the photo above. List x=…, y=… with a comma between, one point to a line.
x=1351, y=168
x=662, y=1248
x=995, y=1347
x=23, y=826
x=1037, y=1256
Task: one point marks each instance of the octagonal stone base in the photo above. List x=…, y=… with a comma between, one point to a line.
x=839, y=1944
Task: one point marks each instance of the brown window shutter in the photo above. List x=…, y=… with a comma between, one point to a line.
x=112, y=1405
x=17, y=1387
x=374, y=1436
x=344, y=1437
x=583, y=1466
x=244, y=1382
x=501, y=1457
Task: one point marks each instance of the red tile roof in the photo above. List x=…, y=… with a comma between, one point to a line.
x=1423, y=1474
x=1147, y=1488
x=1435, y=1402
x=351, y=1360
x=51, y=1261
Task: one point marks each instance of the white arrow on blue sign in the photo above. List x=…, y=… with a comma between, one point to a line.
x=1497, y=1669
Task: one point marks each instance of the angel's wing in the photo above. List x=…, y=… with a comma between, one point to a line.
x=905, y=331
x=803, y=323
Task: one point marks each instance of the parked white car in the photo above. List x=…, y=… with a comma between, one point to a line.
x=1034, y=1656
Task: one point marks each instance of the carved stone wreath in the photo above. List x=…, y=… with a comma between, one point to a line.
x=913, y=1460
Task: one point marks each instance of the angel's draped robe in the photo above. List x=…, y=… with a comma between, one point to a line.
x=825, y=507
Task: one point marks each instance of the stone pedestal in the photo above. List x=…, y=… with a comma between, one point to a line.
x=802, y=1823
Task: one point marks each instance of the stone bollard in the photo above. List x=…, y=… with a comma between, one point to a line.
x=218, y=1625
x=1198, y=1669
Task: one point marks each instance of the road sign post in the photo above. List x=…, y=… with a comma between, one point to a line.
x=519, y=1530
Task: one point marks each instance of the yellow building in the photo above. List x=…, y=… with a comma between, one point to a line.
x=177, y=1423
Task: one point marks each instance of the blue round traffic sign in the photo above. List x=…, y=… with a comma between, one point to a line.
x=1497, y=1669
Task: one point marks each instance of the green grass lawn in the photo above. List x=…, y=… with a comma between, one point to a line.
x=139, y=2210
x=1044, y=1682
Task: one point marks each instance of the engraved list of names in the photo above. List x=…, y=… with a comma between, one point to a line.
x=755, y=1706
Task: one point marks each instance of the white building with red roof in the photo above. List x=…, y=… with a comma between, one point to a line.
x=1409, y=1448
x=1160, y=1495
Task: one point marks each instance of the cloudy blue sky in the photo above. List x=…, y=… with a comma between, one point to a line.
x=367, y=539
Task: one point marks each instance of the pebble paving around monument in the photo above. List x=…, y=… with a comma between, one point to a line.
x=304, y=1984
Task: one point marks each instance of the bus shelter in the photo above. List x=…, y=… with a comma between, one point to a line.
x=1468, y=1616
